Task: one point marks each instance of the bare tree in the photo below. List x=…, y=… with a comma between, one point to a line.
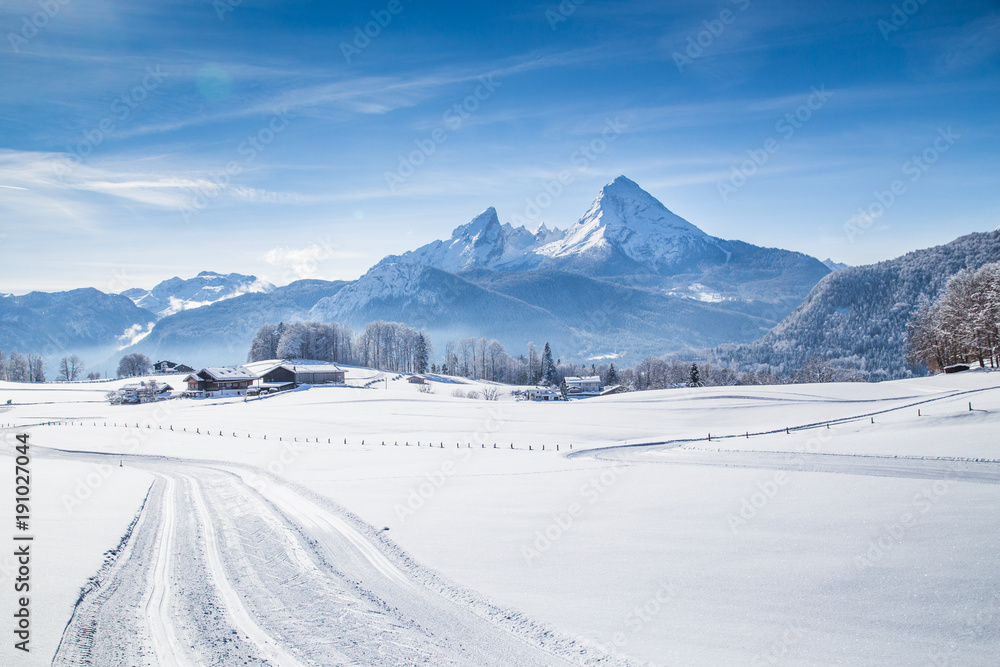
x=70, y=368
x=36, y=368
x=962, y=325
x=134, y=364
x=17, y=367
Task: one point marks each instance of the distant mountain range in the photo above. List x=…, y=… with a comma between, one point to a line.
x=630, y=238
x=174, y=295
x=629, y=279
x=85, y=321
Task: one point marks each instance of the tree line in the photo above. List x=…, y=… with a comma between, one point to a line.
x=961, y=326
x=396, y=347
x=31, y=368
x=390, y=346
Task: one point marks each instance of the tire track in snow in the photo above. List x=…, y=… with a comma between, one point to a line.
x=331, y=591
x=318, y=519
x=238, y=614
x=162, y=632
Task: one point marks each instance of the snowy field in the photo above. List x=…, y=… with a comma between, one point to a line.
x=281, y=530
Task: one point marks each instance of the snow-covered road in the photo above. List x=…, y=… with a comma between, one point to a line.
x=226, y=566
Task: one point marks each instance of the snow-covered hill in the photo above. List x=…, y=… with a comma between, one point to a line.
x=858, y=315
x=176, y=294
x=281, y=530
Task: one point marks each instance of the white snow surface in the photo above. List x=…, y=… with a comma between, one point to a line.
x=863, y=535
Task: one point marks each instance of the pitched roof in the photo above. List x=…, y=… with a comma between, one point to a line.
x=261, y=368
x=313, y=368
x=228, y=373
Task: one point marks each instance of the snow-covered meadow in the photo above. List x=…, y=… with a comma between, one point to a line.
x=865, y=534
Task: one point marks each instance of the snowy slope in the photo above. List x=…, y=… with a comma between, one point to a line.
x=858, y=315
x=888, y=557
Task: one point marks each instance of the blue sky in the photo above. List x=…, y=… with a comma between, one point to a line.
x=144, y=140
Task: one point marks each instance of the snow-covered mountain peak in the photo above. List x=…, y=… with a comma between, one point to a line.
x=628, y=222
x=481, y=243
x=386, y=281
x=176, y=294
x=622, y=205
x=484, y=223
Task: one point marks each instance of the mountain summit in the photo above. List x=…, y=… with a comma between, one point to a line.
x=628, y=231
x=482, y=243
x=175, y=294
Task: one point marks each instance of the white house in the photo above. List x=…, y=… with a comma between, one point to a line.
x=588, y=385
x=543, y=394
